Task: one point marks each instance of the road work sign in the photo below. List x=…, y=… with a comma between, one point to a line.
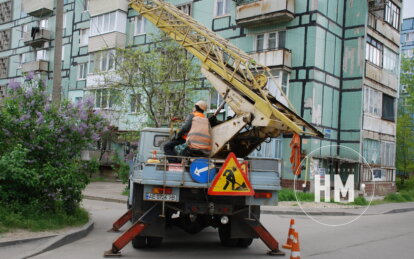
x=231, y=180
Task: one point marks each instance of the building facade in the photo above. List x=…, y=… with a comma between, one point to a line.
x=336, y=60
x=407, y=50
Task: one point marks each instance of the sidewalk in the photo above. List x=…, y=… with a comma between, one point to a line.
x=112, y=192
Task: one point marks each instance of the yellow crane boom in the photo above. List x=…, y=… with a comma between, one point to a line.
x=235, y=75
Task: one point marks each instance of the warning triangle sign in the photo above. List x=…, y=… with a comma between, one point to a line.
x=231, y=180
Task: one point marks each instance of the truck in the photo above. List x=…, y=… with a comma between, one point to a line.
x=164, y=194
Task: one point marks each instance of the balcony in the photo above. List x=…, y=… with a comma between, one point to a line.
x=38, y=39
x=38, y=8
x=107, y=41
x=97, y=8
x=251, y=13
x=35, y=66
x=274, y=58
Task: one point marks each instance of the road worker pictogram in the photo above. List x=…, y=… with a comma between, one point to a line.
x=231, y=179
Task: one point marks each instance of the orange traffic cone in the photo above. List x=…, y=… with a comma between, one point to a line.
x=295, y=251
x=288, y=244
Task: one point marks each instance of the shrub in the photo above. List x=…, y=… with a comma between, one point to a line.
x=360, y=201
x=121, y=168
x=289, y=195
x=40, y=144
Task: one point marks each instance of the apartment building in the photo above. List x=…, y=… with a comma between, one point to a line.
x=336, y=60
x=407, y=50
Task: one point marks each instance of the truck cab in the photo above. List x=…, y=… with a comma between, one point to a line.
x=186, y=203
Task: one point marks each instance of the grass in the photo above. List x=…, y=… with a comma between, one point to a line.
x=41, y=221
x=289, y=195
x=125, y=192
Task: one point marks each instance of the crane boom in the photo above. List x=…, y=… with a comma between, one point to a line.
x=235, y=75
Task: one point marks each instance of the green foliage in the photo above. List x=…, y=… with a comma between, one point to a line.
x=360, y=201
x=10, y=219
x=289, y=195
x=90, y=167
x=160, y=80
x=403, y=196
x=121, y=168
x=405, y=184
x=40, y=144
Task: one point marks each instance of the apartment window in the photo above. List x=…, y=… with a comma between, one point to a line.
x=22, y=59
x=105, y=98
x=270, y=41
x=374, y=51
x=65, y=16
x=388, y=108
x=140, y=23
x=388, y=153
x=409, y=36
x=390, y=60
x=273, y=149
x=408, y=52
x=41, y=55
x=108, y=22
x=186, y=8
x=86, y=5
x=222, y=7
x=102, y=61
x=63, y=52
x=23, y=30
x=372, y=101
x=44, y=24
x=281, y=78
x=82, y=71
x=392, y=15
x=371, y=151
x=135, y=102
x=84, y=37
x=215, y=100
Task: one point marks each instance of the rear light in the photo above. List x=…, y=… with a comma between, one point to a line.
x=160, y=190
x=263, y=195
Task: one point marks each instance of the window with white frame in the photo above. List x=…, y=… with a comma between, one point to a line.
x=371, y=151
x=186, y=8
x=409, y=36
x=390, y=61
x=41, y=55
x=270, y=41
x=135, y=102
x=215, y=100
x=105, y=98
x=78, y=99
x=44, y=24
x=86, y=5
x=84, y=37
x=280, y=78
x=23, y=30
x=392, y=15
x=388, y=153
x=273, y=149
x=372, y=101
x=222, y=7
x=22, y=59
x=408, y=52
x=65, y=16
x=63, y=52
x=373, y=51
x=109, y=22
x=140, y=23
x=82, y=71
x=102, y=61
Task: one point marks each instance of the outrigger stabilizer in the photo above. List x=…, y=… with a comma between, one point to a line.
x=151, y=215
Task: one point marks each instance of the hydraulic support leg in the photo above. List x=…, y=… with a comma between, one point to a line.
x=121, y=221
x=265, y=236
x=146, y=219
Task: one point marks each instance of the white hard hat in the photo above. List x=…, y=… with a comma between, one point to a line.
x=202, y=105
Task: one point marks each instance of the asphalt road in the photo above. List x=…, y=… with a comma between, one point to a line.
x=381, y=236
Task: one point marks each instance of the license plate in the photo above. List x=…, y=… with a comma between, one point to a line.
x=160, y=197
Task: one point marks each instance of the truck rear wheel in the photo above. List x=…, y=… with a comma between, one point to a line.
x=154, y=242
x=139, y=242
x=244, y=242
x=224, y=234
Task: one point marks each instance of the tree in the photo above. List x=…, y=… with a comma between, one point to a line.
x=159, y=81
x=405, y=120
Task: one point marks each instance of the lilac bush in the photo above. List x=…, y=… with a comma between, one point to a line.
x=40, y=147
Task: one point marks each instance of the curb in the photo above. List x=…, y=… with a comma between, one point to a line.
x=399, y=210
x=64, y=239
x=87, y=197
x=21, y=241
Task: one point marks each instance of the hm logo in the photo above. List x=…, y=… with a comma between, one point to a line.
x=339, y=190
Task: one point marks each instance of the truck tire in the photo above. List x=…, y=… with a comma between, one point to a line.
x=224, y=234
x=139, y=242
x=244, y=242
x=154, y=242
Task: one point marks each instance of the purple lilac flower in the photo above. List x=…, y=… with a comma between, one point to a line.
x=95, y=137
x=47, y=107
x=30, y=75
x=89, y=101
x=13, y=85
x=29, y=93
x=83, y=115
x=40, y=117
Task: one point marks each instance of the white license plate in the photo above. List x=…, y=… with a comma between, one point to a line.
x=160, y=197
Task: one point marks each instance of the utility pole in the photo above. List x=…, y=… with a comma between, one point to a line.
x=57, y=68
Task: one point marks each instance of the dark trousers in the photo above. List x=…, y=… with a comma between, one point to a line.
x=169, y=149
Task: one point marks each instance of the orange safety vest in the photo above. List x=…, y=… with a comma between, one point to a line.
x=199, y=136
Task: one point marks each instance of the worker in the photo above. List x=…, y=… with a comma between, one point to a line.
x=194, y=137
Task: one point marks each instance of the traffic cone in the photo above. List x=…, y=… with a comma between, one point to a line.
x=295, y=251
x=288, y=244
